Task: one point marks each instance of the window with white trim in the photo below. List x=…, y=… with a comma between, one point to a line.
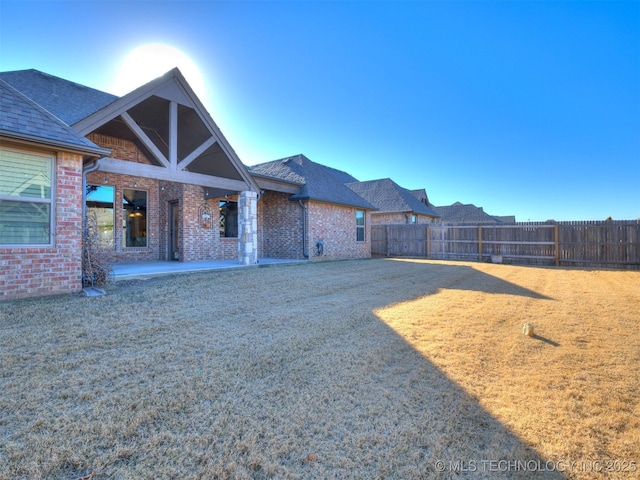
x=26, y=198
x=360, y=237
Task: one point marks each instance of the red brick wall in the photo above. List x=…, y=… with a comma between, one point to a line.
x=120, y=148
x=29, y=272
x=198, y=242
x=335, y=225
x=279, y=226
x=280, y=229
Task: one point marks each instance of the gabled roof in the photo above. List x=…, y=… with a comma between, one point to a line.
x=389, y=197
x=421, y=194
x=467, y=213
x=70, y=102
x=319, y=183
x=23, y=119
x=190, y=147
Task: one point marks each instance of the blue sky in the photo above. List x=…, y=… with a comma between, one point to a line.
x=524, y=108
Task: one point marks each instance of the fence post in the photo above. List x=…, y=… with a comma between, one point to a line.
x=428, y=234
x=386, y=241
x=557, y=243
x=479, y=243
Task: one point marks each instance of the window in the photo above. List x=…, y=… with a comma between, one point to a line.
x=134, y=218
x=359, y=226
x=100, y=213
x=414, y=219
x=26, y=182
x=228, y=218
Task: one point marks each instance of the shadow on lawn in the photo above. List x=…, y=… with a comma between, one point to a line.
x=439, y=430
x=546, y=340
x=323, y=389
x=458, y=438
x=463, y=277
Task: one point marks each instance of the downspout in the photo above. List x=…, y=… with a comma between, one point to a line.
x=304, y=230
x=91, y=167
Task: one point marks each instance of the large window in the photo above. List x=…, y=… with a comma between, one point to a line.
x=100, y=213
x=134, y=218
x=360, y=226
x=26, y=186
x=228, y=218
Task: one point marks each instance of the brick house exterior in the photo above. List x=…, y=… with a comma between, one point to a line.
x=306, y=211
x=155, y=179
x=152, y=166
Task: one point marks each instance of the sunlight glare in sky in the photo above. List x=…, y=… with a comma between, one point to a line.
x=152, y=60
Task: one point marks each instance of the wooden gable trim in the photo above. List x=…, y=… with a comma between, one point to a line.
x=196, y=153
x=115, y=165
x=171, y=86
x=145, y=139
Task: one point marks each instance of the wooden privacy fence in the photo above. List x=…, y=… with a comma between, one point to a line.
x=590, y=244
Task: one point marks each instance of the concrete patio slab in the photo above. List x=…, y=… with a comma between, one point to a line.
x=146, y=269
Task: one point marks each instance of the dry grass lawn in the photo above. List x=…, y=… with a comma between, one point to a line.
x=361, y=369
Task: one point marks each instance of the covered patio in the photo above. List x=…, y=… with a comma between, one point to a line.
x=147, y=269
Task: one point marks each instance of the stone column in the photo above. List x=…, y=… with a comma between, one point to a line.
x=248, y=228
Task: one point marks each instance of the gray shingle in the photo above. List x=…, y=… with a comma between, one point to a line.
x=21, y=117
x=69, y=101
x=466, y=213
x=319, y=182
x=389, y=197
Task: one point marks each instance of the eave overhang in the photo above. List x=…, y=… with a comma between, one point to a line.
x=37, y=141
x=306, y=198
x=266, y=182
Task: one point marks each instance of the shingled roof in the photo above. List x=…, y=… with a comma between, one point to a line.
x=22, y=118
x=469, y=213
x=69, y=101
x=389, y=197
x=318, y=182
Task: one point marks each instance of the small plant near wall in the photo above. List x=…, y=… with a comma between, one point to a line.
x=95, y=266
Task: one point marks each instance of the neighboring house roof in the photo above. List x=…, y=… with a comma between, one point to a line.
x=320, y=183
x=389, y=197
x=421, y=194
x=23, y=119
x=468, y=213
x=69, y=101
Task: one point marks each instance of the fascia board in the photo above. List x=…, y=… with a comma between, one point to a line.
x=46, y=142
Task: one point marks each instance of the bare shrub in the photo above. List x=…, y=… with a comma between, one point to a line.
x=95, y=266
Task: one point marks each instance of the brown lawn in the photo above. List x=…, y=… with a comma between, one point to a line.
x=359, y=369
